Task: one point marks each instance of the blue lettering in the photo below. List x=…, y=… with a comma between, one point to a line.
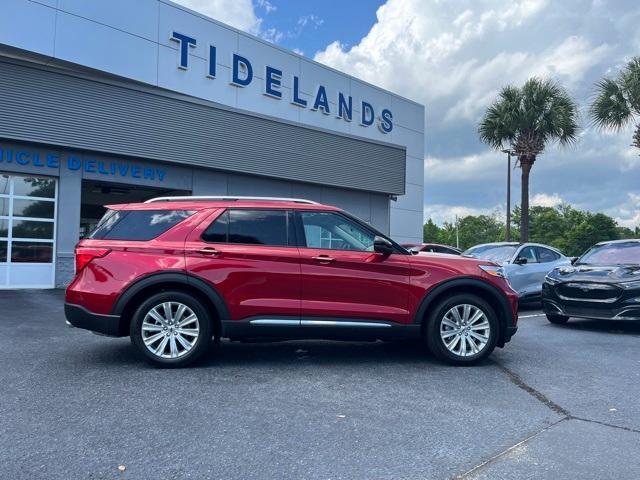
x=22, y=158
x=273, y=81
x=36, y=160
x=135, y=171
x=345, y=107
x=185, y=42
x=386, y=121
x=53, y=160
x=1, y=155
x=161, y=174
x=236, y=61
x=212, y=62
x=296, y=99
x=123, y=169
x=101, y=169
x=73, y=163
x=90, y=165
x=147, y=174
x=112, y=168
x=367, y=116
x=321, y=102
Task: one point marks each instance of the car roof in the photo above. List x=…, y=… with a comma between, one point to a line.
x=206, y=204
x=516, y=244
x=623, y=240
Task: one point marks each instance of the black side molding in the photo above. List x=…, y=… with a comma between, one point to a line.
x=80, y=317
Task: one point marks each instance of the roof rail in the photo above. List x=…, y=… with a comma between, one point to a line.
x=228, y=198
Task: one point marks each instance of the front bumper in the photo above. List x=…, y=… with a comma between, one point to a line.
x=625, y=308
x=80, y=317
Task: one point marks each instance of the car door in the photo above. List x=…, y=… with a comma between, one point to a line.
x=522, y=277
x=548, y=260
x=249, y=256
x=343, y=279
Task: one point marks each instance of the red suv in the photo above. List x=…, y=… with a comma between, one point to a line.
x=175, y=272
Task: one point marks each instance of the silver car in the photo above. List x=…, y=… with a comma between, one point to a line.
x=524, y=265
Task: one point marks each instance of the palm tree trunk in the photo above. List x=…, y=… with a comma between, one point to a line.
x=636, y=137
x=526, y=162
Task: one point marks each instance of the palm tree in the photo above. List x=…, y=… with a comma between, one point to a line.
x=525, y=120
x=617, y=101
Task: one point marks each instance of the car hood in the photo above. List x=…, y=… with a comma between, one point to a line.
x=597, y=273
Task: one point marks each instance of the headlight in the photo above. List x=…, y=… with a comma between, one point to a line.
x=551, y=280
x=630, y=285
x=493, y=270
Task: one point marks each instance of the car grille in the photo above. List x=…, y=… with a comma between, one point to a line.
x=594, y=292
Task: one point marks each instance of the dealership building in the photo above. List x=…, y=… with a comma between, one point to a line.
x=119, y=101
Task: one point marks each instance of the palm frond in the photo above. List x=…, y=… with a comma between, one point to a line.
x=609, y=109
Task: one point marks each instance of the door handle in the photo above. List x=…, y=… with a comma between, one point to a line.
x=209, y=251
x=324, y=258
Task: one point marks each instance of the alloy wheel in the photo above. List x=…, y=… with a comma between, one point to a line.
x=465, y=330
x=170, y=330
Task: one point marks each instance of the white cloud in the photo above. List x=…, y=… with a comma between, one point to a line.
x=266, y=5
x=546, y=200
x=237, y=13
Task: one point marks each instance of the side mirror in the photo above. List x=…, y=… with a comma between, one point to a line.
x=520, y=261
x=382, y=245
x=573, y=260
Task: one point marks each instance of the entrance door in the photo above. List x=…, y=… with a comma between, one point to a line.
x=27, y=231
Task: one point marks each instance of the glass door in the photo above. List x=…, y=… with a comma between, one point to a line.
x=27, y=231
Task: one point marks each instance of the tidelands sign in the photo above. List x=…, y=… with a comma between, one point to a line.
x=242, y=74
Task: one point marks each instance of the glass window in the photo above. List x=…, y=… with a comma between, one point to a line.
x=218, y=231
x=492, y=253
x=336, y=232
x=529, y=254
x=33, y=208
x=622, y=253
x=545, y=255
x=4, y=184
x=31, y=252
x=4, y=206
x=137, y=224
x=32, y=229
x=253, y=227
x=34, y=187
x=3, y=250
x=4, y=228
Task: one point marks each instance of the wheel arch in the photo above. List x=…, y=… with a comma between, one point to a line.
x=131, y=298
x=491, y=294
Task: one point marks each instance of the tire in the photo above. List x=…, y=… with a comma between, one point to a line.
x=557, y=319
x=178, y=347
x=465, y=344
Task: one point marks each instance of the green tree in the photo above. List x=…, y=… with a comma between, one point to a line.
x=526, y=120
x=430, y=232
x=478, y=229
x=593, y=229
x=617, y=100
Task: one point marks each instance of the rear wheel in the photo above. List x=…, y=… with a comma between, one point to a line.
x=171, y=329
x=558, y=319
x=462, y=329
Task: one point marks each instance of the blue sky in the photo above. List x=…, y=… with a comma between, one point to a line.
x=453, y=56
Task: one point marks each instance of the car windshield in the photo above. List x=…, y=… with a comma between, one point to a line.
x=492, y=253
x=625, y=253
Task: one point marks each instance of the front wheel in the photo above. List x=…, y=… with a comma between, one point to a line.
x=171, y=329
x=462, y=330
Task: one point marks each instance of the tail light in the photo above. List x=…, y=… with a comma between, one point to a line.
x=84, y=255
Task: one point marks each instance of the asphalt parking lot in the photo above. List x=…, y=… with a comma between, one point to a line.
x=559, y=402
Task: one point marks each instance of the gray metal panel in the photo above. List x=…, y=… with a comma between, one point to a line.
x=41, y=105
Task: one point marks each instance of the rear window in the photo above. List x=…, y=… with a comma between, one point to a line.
x=137, y=224
x=253, y=227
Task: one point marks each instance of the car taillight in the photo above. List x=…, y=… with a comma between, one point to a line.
x=84, y=255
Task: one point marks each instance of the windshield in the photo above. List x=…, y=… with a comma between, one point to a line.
x=492, y=253
x=626, y=253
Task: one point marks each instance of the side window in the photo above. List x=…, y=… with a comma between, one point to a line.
x=336, y=232
x=545, y=255
x=253, y=227
x=529, y=254
x=137, y=224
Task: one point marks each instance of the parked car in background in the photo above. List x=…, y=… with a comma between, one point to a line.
x=604, y=283
x=432, y=248
x=172, y=273
x=524, y=265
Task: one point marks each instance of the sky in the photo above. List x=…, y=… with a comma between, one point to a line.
x=453, y=56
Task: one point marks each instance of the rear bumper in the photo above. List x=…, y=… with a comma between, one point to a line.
x=80, y=317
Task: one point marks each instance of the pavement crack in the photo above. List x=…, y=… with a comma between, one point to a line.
x=507, y=450
x=605, y=424
x=538, y=395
